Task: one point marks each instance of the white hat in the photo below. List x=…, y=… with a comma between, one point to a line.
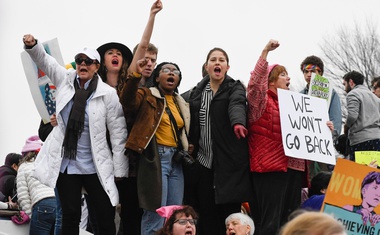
x=90, y=53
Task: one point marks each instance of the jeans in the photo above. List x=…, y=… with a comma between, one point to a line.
x=172, y=190
x=43, y=217
x=70, y=194
x=58, y=215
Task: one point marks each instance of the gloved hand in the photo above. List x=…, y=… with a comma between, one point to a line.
x=240, y=131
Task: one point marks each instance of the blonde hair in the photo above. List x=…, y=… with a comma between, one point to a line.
x=316, y=223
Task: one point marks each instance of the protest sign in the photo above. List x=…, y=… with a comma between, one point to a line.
x=303, y=126
x=365, y=157
x=320, y=87
x=40, y=85
x=353, y=197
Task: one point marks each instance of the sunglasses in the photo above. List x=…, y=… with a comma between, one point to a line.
x=184, y=221
x=87, y=61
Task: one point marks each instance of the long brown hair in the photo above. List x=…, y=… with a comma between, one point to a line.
x=168, y=227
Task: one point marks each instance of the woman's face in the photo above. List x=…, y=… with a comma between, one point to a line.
x=113, y=60
x=283, y=81
x=236, y=227
x=86, y=71
x=168, y=78
x=184, y=225
x=371, y=194
x=217, y=66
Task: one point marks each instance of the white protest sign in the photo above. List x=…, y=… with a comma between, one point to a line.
x=40, y=85
x=304, y=130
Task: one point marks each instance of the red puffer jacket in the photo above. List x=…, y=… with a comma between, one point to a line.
x=265, y=141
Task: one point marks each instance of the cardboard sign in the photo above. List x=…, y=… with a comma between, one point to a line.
x=353, y=197
x=320, y=87
x=40, y=85
x=303, y=126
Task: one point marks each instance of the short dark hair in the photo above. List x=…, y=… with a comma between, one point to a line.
x=355, y=76
x=315, y=60
x=12, y=158
x=156, y=72
x=318, y=182
x=369, y=178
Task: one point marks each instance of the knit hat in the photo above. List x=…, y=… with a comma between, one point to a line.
x=270, y=68
x=12, y=158
x=90, y=53
x=33, y=143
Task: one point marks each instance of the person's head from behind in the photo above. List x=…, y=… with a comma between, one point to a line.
x=87, y=63
x=319, y=183
x=311, y=64
x=217, y=64
x=315, y=223
x=370, y=189
x=351, y=79
x=151, y=59
x=239, y=224
x=12, y=160
x=31, y=148
x=116, y=58
x=180, y=220
x=167, y=77
x=278, y=77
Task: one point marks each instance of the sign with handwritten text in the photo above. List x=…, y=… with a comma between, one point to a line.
x=305, y=133
x=365, y=157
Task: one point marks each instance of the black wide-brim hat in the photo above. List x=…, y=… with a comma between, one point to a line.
x=125, y=51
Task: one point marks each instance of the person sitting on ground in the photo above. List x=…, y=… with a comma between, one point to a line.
x=317, y=191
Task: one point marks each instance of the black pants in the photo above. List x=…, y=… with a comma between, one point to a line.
x=131, y=213
x=199, y=193
x=70, y=193
x=276, y=195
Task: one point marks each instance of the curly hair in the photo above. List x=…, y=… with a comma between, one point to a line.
x=315, y=60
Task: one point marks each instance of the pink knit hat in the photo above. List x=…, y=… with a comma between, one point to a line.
x=270, y=68
x=33, y=143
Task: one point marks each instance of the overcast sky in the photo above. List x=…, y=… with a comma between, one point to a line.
x=184, y=33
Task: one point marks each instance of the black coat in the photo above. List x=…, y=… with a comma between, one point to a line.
x=230, y=155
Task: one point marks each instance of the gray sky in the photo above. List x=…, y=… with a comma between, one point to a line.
x=184, y=33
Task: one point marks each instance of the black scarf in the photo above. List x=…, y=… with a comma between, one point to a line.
x=75, y=124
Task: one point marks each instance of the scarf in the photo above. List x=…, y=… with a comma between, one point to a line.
x=75, y=124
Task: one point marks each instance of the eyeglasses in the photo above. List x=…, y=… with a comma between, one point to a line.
x=184, y=221
x=167, y=71
x=87, y=61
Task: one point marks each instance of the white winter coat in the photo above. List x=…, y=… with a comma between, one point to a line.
x=104, y=110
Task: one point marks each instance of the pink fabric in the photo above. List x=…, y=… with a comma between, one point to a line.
x=33, y=143
x=167, y=211
x=22, y=218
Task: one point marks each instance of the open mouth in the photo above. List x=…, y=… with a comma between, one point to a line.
x=170, y=80
x=115, y=61
x=83, y=70
x=217, y=70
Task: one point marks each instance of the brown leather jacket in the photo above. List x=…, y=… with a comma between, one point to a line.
x=144, y=108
